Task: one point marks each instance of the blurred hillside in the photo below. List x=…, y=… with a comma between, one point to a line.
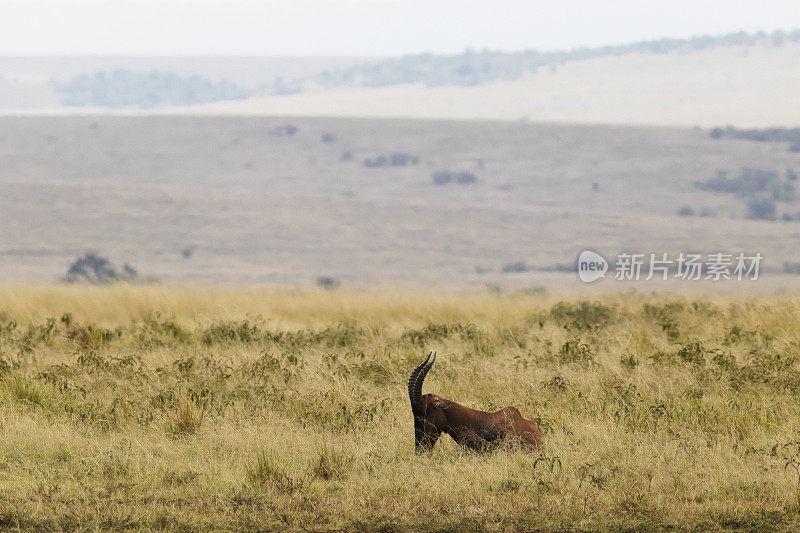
x=742, y=78
x=746, y=86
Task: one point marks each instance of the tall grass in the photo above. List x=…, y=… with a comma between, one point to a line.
x=186, y=408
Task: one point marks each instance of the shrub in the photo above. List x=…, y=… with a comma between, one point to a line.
x=582, y=315
x=437, y=332
x=444, y=177
x=791, y=267
x=465, y=178
x=401, y=159
x=630, y=362
x=761, y=208
x=515, y=267
x=397, y=159
x=244, y=331
x=328, y=137
x=328, y=283
x=575, y=351
x=378, y=161
x=747, y=183
x=285, y=130
x=156, y=332
x=783, y=191
x=91, y=336
x=686, y=211
x=97, y=270
x=694, y=352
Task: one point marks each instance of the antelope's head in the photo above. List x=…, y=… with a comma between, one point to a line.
x=429, y=418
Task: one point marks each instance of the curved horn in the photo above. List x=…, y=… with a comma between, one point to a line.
x=421, y=377
x=412, y=382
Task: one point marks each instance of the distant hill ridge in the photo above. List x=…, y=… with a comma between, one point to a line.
x=126, y=88
x=475, y=67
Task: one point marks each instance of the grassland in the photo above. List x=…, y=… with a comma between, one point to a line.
x=253, y=207
x=186, y=408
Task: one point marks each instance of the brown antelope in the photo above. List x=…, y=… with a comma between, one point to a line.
x=478, y=430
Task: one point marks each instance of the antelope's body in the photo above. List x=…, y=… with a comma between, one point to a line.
x=478, y=430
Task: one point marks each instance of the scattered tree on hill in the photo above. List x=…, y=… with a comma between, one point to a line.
x=123, y=88
x=474, y=67
x=95, y=269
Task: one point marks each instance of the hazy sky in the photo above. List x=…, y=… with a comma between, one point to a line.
x=365, y=27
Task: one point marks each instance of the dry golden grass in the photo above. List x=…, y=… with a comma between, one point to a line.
x=234, y=408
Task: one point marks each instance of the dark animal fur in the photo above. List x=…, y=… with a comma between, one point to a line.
x=477, y=430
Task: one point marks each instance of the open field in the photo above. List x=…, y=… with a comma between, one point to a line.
x=226, y=199
x=181, y=408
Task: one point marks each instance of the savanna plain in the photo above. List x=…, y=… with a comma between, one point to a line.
x=184, y=408
x=234, y=200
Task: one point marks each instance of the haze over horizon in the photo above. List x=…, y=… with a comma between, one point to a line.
x=362, y=27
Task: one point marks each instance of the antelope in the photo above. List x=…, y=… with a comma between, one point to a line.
x=477, y=430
